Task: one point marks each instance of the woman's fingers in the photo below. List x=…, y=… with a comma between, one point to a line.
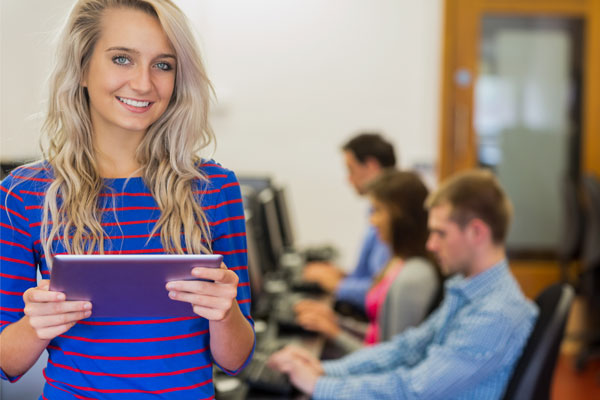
x=50, y=326
x=58, y=320
x=305, y=303
x=211, y=297
x=309, y=305
x=50, y=333
x=41, y=294
x=44, y=284
x=202, y=287
x=311, y=322
x=34, y=309
x=319, y=323
x=218, y=275
x=49, y=314
x=202, y=300
x=213, y=314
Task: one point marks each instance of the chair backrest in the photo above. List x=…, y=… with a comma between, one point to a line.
x=413, y=294
x=589, y=284
x=570, y=244
x=591, y=247
x=532, y=376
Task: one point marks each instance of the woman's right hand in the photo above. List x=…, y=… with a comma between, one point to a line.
x=49, y=314
x=325, y=274
x=317, y=316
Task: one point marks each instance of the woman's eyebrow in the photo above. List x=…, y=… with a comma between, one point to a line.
x=136, y=52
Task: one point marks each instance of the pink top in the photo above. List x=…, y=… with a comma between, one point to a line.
x=374, y=302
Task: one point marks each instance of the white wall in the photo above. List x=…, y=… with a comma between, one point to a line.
x=294, y=80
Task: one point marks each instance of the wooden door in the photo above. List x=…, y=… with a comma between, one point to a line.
x=458, y=144
x=521, y=96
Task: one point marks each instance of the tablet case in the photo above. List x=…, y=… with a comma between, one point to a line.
x=127, y=286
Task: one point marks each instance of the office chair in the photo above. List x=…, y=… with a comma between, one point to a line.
x=590, y=256
x=532, y=377
x=570, y=245
x=589, y=282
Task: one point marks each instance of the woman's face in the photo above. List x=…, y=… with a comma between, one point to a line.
x=131, y=74
x=381, y=220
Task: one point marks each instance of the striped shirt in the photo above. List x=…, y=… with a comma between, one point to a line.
x=107, y=358
x=466, y=349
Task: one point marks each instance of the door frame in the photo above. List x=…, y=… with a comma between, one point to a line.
x=457, y=139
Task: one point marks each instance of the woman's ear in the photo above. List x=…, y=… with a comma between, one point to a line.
x=83, y=81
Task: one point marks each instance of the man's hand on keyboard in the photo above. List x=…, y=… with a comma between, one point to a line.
x=302, y=367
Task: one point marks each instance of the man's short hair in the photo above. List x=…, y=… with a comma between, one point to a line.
x=371, y=145
x=475, y=194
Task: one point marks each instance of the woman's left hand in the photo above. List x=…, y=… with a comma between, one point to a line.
x=211, y=300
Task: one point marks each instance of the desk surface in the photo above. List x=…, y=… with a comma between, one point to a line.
x=268, y=336
x=234, y=388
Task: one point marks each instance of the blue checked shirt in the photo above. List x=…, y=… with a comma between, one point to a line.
x=374, y=255
x=466, y=349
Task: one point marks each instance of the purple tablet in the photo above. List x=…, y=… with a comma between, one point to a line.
x=127, y=286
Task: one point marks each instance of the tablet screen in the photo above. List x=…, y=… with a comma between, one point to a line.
x=127, y=286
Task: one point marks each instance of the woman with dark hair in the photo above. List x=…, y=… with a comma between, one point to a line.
x=407, y=288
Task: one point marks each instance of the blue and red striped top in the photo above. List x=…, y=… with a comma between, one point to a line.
x=104, y=358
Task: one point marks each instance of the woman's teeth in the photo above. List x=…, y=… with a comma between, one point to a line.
x=134, y=103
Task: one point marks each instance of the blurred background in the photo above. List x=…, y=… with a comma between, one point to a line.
x=293, y=79
x=511, y=85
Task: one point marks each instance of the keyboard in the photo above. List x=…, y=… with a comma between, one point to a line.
x=302, y=286
x=284, y=315
x=261, y=377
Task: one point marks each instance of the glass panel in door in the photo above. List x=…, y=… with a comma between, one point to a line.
x=527, y=119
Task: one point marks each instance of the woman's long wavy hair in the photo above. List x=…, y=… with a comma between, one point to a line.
x=168, y=152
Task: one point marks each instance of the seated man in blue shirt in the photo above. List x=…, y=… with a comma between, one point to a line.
x=366, y=156
x=468, y=347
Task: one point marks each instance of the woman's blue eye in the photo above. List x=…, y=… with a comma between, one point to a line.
x=164, y=66
x=121, y=60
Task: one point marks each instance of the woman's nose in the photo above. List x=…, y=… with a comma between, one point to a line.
x=141, y=81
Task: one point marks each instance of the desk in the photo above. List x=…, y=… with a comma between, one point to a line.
x=268, y=340
x=234, y=388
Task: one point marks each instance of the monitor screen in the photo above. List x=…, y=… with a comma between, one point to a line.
x=285, y=222
x=254, y=259
x=258, y=183
x=271, y=223
x=256, y=225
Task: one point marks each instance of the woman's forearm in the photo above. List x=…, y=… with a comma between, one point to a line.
x=231, y=339
x=20, y=347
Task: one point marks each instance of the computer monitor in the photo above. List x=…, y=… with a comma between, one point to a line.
x=256, y=182
x=256, y=225
x=254, y=260
x=249, y=198
x=271, y=222
x=285, y=221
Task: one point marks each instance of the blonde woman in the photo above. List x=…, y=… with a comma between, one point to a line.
x=127, y=117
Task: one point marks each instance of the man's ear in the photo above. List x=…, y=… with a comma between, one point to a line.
x=479, y=231
x=372, y=164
